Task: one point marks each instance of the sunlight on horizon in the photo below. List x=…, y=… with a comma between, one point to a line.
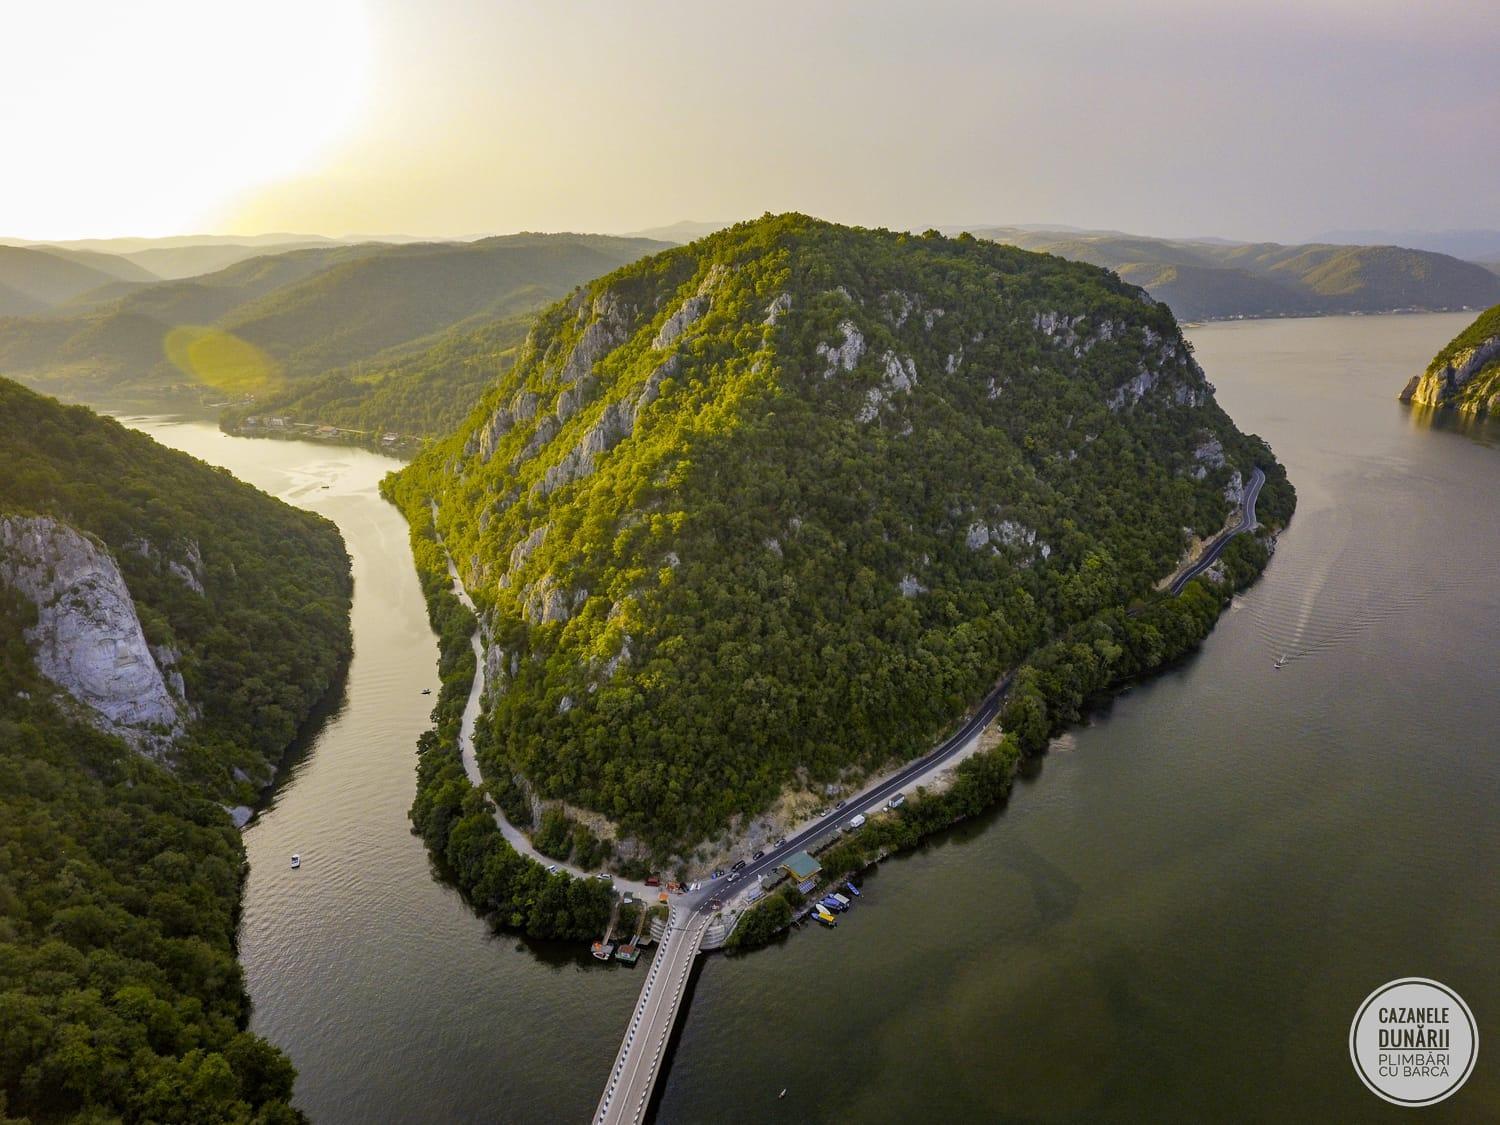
x=149, y=118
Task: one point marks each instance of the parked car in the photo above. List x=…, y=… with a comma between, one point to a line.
x=896, y=802
x=603, y=876
x=733, y=875
x=841, y=804
x=759, y=855
x=551, y=869
x=718, y=873
x=780, y=841
x=739, y=865
x=653, y=880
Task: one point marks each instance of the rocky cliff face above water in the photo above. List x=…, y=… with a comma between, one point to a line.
x=88, y=638
x=1465, y=375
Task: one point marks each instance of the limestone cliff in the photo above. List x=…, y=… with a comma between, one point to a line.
x=87, y=638
x=1465, y=375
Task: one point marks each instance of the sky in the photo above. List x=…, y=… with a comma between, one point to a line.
x=1257, y=119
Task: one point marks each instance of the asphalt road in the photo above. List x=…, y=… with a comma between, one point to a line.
x=1210, y=556
x=701, y=900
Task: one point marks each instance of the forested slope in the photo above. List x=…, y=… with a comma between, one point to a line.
x=120, y=867
x=774, y=508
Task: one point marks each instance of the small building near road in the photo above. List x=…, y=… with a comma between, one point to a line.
x=800, y=867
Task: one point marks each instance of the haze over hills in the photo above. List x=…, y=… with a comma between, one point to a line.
x=687, y=230
x=36, y=279
x=768, y=510
x=264, y=325
x=179, y=256
x=1471, y=245
x=1213, y=279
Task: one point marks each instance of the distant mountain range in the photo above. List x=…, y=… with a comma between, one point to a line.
x=266, y=326
x=34, y=280
x=189, y=255
x=688, y=230
x=1471, y=245
x=1205, y=279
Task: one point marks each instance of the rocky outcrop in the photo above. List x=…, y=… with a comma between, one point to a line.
x=900, y=376
x=845, y=354
x=1006, y=533
x=614, y=426
x=1445, y=384
x=606, y=328
x=87, y=638
x=547, y=603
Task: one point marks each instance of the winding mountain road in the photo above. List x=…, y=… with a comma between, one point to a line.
x=1216, y=548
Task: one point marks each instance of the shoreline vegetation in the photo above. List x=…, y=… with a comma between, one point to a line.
x=1054, y=688
x=450, y=814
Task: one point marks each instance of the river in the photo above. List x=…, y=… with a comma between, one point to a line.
x=1173, y=919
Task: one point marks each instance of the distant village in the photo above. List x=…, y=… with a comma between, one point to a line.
x=268, y=425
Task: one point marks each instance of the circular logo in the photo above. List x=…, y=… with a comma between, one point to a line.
x=1413, y=1041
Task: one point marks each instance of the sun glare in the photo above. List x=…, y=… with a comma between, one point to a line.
x=147, y=118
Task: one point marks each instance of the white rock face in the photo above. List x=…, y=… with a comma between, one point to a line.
x=1006, y=533
x=546, y=602
x=843, y=356
x=899, y=378
x=1209, y=455
x=87, y=638
x=910, y=587
x=1133, y=391
x=522, y=550
x=605, y=329
x=613, y=427
x=1234, y=491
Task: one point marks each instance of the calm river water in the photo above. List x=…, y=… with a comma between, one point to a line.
x=1174, y=919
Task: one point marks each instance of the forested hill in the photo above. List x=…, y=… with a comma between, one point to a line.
x=1203, y=279
x=775, y=508
x=266, y=326
x=35, y=279
x=164, y=630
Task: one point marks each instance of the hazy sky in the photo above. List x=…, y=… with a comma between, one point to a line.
x=1249, y=119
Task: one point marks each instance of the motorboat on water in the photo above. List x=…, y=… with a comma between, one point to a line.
x=296, y=861
x=1280, y=664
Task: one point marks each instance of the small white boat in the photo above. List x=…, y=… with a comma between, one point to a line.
x=296, y=862
x=1280, y=664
